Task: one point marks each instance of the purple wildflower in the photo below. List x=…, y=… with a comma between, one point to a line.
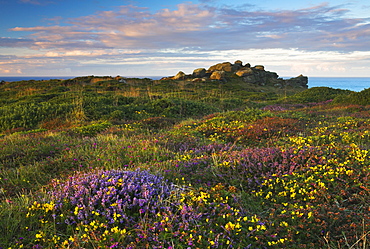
x=118, y=196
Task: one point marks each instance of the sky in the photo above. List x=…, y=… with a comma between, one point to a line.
x=159, y=38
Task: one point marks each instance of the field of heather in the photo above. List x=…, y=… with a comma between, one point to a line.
x=287, y=174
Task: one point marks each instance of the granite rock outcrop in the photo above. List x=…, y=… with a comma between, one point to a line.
x=256, y=75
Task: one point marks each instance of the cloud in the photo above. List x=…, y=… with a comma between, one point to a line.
x=193, y=34
x=321, y=27
x=15, y=42
x=317, y=28
x=167, y=62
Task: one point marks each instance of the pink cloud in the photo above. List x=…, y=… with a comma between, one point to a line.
x=320, y=27
x=41, y=28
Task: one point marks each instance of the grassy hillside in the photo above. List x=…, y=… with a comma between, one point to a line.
x=65, y=103
x=177, y=164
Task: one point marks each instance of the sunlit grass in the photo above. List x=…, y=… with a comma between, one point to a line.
x=277, y=178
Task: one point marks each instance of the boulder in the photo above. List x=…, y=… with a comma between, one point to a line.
x=238, y=62
x=244, y=72
x=225, y=66
x=260, y=67
x=179, y=76
x=256, y=75
x=217, y=75
x=199, y=73
x=300, y=81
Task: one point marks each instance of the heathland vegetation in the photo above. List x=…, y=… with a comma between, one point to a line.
x=135, y=163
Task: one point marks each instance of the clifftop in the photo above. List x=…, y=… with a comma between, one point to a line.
x=256, y=75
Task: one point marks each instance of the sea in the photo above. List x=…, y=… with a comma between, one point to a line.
x=356, y=84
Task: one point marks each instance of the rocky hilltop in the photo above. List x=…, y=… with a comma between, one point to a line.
x=256, y=75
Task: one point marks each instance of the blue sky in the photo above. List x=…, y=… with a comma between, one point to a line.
x=159, y=38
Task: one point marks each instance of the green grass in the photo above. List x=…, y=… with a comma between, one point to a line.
x=246, y=170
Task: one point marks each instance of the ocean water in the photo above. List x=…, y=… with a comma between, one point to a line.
x=356, y=84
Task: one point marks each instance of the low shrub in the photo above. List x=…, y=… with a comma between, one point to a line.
x=92, y=129
x=356, y=98
x=315, y=94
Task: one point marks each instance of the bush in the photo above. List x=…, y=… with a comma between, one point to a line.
x=29, y=116
x=157, y=122
x=92, y=129
x=316, y=94
x=357, y=98
x=179, y=108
